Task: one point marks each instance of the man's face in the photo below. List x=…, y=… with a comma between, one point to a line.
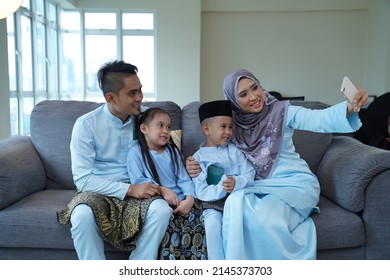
x=128, y=101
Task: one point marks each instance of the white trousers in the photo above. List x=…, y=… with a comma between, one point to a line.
x=213, y=227
x=90, y=246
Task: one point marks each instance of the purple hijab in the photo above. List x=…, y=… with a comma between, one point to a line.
x=258, y=135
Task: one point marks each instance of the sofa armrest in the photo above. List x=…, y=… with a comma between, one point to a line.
x=376, y=217
x=21, y=170
x=346, y=170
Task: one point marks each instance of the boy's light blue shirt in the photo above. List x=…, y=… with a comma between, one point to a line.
x=99, y=146
x=234, y=163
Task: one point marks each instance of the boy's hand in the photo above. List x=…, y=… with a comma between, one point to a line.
x=229, y=184
x=185, y=206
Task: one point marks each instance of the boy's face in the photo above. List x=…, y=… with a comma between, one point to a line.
x=218, y=131
x=128, y=100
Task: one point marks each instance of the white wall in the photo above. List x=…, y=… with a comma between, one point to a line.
x=294, y=47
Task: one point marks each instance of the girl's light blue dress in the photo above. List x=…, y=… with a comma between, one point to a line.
x=183, y=239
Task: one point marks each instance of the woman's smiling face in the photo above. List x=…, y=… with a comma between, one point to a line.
x=250, y=96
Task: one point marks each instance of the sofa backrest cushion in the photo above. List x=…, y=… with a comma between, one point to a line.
x=192, y=132
x=310, y=145
x=51, y=128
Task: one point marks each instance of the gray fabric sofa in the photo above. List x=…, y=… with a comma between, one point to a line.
x=36, y=182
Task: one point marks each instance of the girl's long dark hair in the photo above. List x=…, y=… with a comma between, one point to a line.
x=175, y=153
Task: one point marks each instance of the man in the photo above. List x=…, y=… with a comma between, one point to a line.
x=106, y=206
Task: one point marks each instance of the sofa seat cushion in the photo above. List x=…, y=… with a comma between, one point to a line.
x=32, y=221
x=337, y=227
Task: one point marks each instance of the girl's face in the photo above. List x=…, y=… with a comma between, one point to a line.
x=157, y=131
x=218, y=131
x=250, y=96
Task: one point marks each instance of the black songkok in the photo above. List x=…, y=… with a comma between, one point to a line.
x=214, y=109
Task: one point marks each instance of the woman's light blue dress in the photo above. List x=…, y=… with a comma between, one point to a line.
x=270, y=220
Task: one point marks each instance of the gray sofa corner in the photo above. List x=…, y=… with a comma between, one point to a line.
x=36, y=182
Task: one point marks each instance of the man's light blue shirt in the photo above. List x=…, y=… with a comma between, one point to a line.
x=99, y=147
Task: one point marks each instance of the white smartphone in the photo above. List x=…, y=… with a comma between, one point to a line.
x=348, y=89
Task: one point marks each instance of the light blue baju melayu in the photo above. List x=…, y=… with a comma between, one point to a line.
x=270, y=219
x=99, y=146
x=234, y=163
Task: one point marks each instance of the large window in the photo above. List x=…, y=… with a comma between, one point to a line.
x=55, y=54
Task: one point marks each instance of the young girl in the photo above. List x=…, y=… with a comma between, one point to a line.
x=157, y=159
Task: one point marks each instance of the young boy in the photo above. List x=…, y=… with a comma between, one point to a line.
x=224, y=169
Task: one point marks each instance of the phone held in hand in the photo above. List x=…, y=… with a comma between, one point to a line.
x=348, y=89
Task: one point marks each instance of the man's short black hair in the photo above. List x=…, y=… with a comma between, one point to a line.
x=111, y=75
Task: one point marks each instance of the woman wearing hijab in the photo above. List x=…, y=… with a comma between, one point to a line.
x=271, y=219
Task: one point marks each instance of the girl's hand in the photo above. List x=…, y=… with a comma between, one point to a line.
x=360, y=99
x=170, y=196
x=229, y=184
x=185, y=206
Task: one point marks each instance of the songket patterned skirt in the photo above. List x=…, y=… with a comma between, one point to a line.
x=120, y=221
x=185, y=237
